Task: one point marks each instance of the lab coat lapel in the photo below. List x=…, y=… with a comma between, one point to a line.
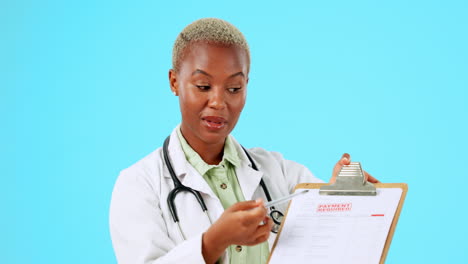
x=186, y=173
x=249, y=179
x=194, y=180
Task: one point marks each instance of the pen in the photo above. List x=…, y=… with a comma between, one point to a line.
x=285, y=198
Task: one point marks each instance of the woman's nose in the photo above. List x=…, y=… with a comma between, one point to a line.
x=217, y=100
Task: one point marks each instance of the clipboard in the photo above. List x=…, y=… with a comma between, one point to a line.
x=352, y=184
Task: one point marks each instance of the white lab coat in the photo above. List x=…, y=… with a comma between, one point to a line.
x=141, y=226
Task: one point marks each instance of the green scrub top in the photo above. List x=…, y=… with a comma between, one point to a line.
x=222, y=179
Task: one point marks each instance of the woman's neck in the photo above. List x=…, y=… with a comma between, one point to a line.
x=211, y=153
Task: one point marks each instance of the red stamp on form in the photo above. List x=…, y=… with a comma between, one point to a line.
x=334, y=207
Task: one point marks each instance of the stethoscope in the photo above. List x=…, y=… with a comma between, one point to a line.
x=275, y=215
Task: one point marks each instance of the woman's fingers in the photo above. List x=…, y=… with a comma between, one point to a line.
x=344, y=160
x=249, y=212
x=240, y=224
x=246, y=205
x=262, y=233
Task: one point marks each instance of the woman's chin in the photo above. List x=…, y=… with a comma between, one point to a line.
x=214, y=137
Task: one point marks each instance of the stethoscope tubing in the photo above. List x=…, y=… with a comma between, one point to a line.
x=179, y=187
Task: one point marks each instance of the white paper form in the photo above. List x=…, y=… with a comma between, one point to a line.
x=323, y=229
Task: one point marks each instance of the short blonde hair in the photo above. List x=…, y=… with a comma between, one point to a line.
x=208, y=30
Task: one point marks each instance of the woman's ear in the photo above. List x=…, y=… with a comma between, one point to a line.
x=173, y=83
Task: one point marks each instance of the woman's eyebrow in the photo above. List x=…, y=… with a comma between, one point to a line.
x=200, y=71
x=237, y=74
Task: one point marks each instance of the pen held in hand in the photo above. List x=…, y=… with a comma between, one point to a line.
x=285, y=198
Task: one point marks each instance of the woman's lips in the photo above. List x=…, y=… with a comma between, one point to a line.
x=214, y=122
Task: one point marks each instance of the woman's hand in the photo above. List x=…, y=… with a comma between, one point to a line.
x=240, y=224
x=346, y=160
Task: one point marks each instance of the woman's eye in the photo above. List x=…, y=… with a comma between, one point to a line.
x=234, y=90
x=203, y=87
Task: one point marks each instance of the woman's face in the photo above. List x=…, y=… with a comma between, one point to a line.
x=212, y=85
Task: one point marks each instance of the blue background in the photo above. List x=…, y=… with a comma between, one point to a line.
x=84, y=94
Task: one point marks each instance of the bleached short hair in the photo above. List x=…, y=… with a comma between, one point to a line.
x=208, y=30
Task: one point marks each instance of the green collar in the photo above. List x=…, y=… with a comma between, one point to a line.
x=230, y=155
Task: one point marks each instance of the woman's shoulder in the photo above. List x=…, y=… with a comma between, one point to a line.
x=272, y=157
x=275, y=160
x=263, y=154
x=264, y=157
x=143, y=172
x=149, y=162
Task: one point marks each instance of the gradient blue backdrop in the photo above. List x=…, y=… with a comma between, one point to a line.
x=84, y=94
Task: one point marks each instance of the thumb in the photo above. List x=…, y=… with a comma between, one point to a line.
x=345, y=159
x=246, y=205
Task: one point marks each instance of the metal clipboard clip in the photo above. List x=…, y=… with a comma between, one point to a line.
x=350, y=181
